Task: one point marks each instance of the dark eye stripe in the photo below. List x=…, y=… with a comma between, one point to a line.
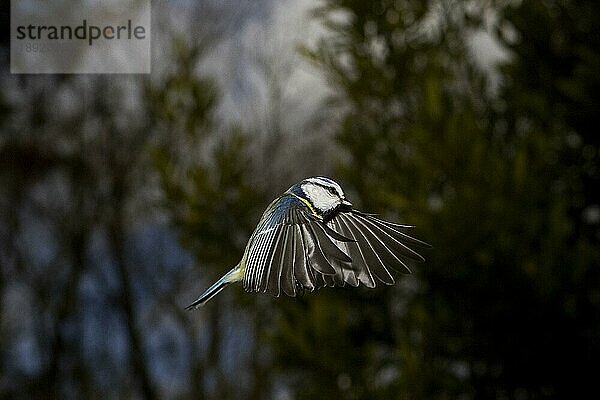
x=328, y=184
x=330, y=189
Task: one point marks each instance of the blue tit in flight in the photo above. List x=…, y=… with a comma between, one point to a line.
x=311, y=237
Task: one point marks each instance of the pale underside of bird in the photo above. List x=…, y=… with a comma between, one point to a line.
x=311, y=237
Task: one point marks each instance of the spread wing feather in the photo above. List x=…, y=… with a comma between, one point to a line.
x=292, y=250
x=366, y=242
x=302, y=273
x=379, y=246
x=359, y=264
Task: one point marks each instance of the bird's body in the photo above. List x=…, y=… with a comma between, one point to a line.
x=310, y=237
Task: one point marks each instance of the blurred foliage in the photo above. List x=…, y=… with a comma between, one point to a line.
x=204, y=173
x=552, y=85
x=508, y=302
x=499, y=170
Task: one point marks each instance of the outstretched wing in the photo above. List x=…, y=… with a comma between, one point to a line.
x=292, y=250
x=378, y=247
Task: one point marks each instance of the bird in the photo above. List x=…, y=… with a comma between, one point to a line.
x=311, y=237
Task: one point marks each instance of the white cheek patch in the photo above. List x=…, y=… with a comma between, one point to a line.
x=320, y=197
x=328, y=182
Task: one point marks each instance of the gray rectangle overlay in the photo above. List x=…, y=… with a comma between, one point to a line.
x=93, y=36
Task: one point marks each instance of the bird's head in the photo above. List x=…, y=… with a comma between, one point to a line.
x=324, y=194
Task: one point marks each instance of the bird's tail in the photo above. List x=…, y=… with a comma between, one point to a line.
x=214, y=289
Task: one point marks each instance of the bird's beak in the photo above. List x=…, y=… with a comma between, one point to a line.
x=346, y=203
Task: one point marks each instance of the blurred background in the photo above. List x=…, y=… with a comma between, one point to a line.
x=123, y=196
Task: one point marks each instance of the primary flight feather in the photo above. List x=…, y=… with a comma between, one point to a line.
x=310, y=237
